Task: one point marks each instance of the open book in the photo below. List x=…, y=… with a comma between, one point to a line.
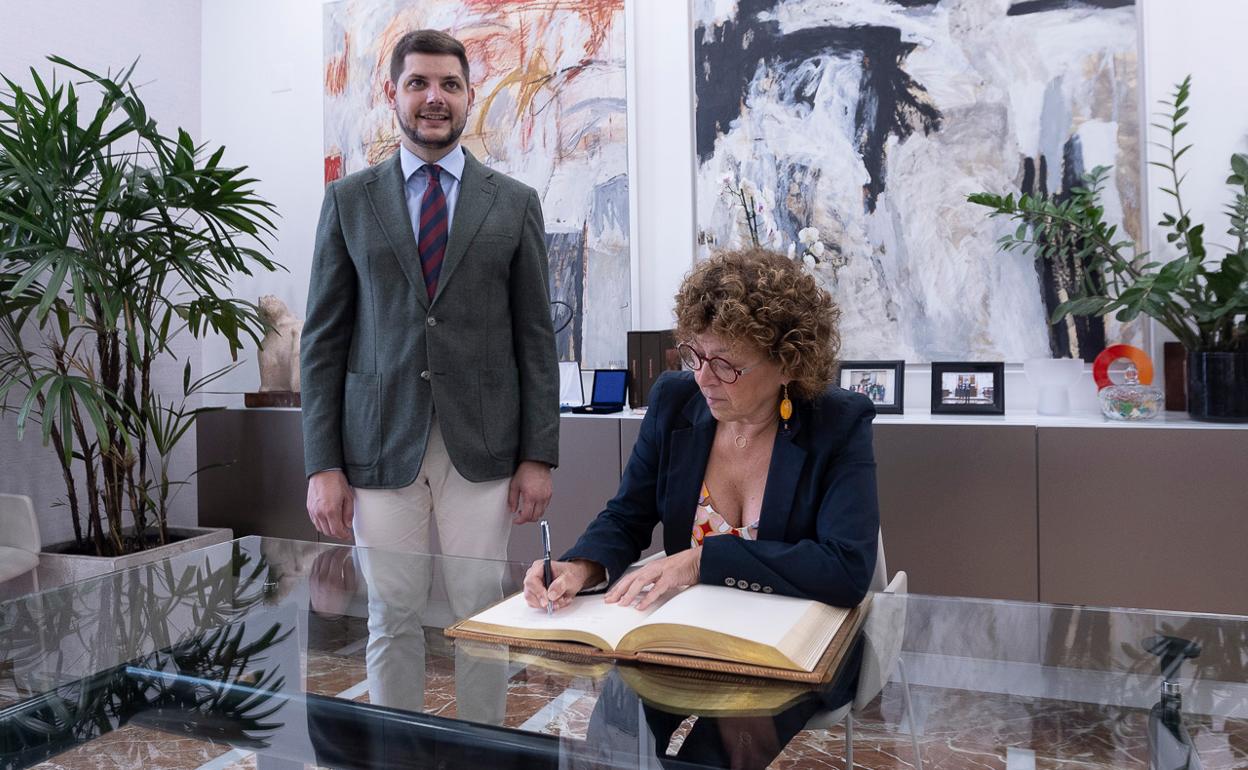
x=707, y=627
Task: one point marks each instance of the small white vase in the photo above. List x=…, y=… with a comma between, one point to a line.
x=1052, y=378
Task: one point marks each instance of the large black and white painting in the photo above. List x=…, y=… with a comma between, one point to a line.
x=871, y=121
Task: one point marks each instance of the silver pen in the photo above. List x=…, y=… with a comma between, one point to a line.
x=548, y=576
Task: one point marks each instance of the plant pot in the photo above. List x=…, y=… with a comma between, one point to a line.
x=1217, y=386
x=60, y=568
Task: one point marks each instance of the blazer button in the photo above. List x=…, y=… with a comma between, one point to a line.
x=729, y=582
x=766, y=589
x=742, y=584
x=754, y=586
x=431, y=321
x=425, y=375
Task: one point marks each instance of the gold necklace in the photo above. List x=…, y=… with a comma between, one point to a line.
x=741, y=441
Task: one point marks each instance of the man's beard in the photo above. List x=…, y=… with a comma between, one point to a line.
x=434, y=144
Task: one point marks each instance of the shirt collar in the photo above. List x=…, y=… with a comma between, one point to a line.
x=451, y=163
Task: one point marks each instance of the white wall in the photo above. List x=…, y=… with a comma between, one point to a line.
x=262, y=95
x=1198, y=39
x=663, y=111
x=166, y=37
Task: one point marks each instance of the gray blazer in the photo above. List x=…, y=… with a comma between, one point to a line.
x=379, y=358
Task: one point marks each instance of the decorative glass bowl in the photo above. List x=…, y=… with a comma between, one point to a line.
x=1131, y=400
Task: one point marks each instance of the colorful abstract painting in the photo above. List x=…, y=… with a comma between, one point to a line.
x=871, y=121
x=550, y=111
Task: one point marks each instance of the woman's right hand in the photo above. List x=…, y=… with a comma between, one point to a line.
x=569, y=578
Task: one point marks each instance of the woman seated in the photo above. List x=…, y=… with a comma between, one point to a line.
x=760, y=470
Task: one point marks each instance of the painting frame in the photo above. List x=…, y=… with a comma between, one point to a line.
x=897, y=370
x=950, y=405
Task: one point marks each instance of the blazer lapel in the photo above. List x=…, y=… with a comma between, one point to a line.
x=476, y=195
x=389, y=201
x=686, y=469
x=787, y=459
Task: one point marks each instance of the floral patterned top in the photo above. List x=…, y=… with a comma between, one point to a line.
x=707, y=522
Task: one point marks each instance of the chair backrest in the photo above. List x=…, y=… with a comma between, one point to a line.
x=885, y=628
x=879, y=580
x=18, y=526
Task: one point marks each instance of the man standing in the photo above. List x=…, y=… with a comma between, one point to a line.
x=430, y=380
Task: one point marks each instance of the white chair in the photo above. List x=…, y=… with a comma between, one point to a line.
x=19, y=537
x=884, y=629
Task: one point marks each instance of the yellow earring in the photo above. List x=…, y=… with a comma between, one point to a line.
x=786, y=406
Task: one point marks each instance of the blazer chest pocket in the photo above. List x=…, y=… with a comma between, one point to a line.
x=361, y=419
x=496, y=238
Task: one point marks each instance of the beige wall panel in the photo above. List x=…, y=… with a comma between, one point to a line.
x=1144, y=517
x=958, y=507
x=259, y=488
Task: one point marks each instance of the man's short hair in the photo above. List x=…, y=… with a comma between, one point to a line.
x=431, y=41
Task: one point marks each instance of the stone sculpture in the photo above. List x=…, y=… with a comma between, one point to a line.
x=279, y=350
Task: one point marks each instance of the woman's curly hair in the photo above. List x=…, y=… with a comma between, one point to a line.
x=765, y=300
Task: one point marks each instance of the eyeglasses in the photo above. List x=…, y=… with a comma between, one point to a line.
x=724, y=371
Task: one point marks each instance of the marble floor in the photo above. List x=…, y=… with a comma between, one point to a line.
x=957, y=730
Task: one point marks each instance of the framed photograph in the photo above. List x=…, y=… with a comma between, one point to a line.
x=881, y=381
x=968, y=387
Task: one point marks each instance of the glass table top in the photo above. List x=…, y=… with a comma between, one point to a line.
x=265, y=652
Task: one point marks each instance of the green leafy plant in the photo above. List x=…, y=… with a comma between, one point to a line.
x=1201, y=302
x=114, y=240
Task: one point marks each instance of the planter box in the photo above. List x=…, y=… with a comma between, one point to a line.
x=56, y=569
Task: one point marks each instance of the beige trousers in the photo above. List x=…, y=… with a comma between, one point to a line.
x=473, y=525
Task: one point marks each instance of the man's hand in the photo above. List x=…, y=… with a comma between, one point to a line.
x=530, y=491
x=668, y=575
x=570, y=578
x=331, y=505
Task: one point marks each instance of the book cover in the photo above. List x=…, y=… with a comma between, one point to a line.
x=651, y=363
x=634, y=369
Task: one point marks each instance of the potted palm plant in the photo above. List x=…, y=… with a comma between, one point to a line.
x=1202, y=301
x=115, y=238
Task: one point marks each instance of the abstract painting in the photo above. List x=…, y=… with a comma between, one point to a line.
x=550, y=111
x=871, y=121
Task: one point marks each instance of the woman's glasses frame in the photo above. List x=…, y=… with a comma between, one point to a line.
x=723, y=371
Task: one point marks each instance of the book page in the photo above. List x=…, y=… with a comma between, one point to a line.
x=762, y=618
x=588, y=614
x=799, y=628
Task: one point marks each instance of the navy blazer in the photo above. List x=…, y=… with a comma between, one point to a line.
x=820, y=519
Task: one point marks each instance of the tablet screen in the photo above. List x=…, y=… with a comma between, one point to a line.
x=609, y=386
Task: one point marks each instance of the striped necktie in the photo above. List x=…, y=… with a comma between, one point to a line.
x=433, y=232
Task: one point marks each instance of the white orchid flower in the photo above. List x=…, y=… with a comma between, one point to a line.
x=792, y=250
x=808, y=235
x=816, y=248
x=809, y=261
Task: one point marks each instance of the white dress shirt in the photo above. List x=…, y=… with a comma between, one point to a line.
x=417, y=178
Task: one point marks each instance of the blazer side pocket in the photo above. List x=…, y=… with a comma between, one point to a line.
x=361, y=420
x=500, y=412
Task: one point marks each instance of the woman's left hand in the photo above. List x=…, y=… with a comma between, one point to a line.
x=668, y=575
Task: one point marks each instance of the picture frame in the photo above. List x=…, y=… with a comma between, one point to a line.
x=968, y=387
x=884, y=382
